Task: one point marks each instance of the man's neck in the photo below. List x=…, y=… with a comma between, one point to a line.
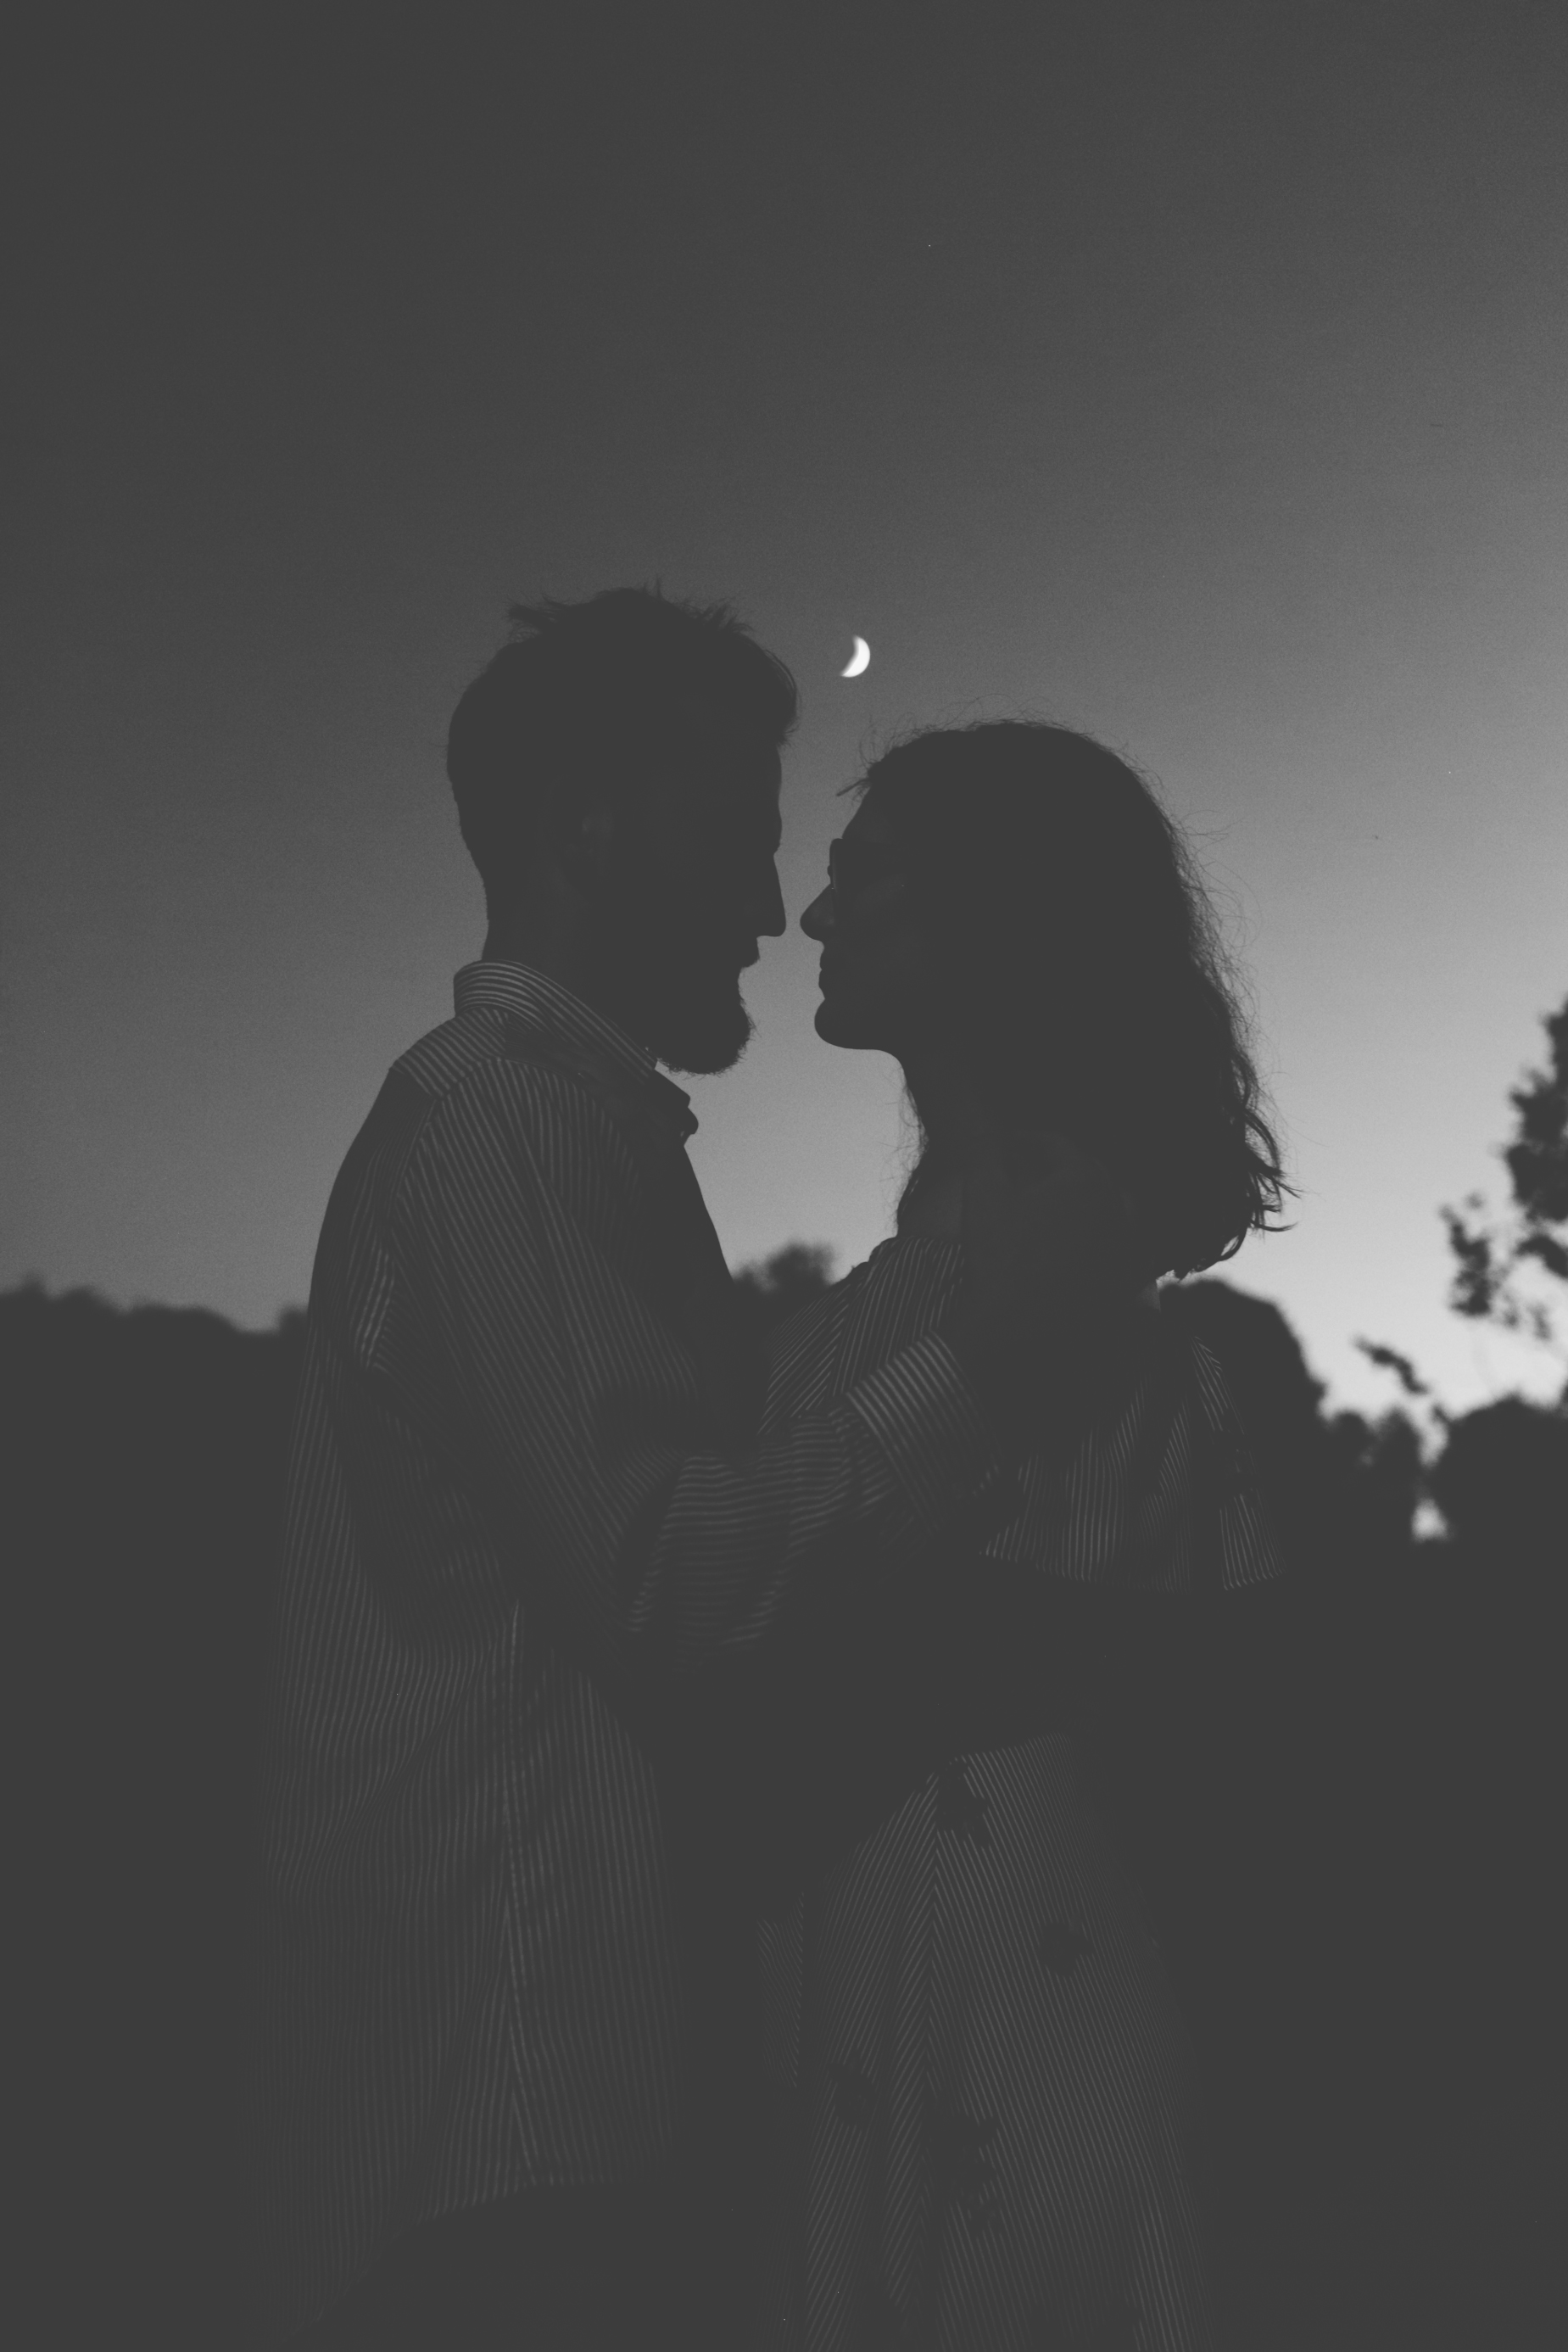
x=562, y=960
x=569, y=968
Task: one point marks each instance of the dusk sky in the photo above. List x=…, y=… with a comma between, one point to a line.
x=1195, y=375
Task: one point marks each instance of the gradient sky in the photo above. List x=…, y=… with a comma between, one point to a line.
x=1195, y=375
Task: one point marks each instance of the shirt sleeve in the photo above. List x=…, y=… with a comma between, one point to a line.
x=570, y=1403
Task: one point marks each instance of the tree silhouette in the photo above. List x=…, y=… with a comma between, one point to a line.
x=1342, y=1490
x=1502, y=1483
x=1500, y=1478
x=775, y=1287
x=142, y=1505
x=1537, y=1163
x=1448, y=1761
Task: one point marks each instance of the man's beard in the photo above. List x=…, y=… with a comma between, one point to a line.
x=699, y=1025
x=686, y=1007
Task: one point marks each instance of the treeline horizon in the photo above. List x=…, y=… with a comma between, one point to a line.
x=1499, y=1471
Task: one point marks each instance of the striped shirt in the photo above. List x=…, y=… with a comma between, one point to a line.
x=522, y=1517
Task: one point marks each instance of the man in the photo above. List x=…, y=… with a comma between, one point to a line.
x=530, y=1532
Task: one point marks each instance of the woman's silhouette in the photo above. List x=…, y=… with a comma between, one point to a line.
x=988, y=2120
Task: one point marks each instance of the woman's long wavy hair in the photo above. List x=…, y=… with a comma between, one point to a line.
x=1082, y=961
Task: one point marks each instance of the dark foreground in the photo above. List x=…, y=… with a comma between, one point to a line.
x=1348, y=1839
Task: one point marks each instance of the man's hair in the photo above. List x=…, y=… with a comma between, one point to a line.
x=1084, y=963
x=590, y=695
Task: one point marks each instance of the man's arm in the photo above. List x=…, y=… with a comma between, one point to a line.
x=573, y=1408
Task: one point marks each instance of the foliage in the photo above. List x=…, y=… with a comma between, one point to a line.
x=1343, y=1491
x=777, y=1287
x=1501, y=1476
x=144, y=1499
x=1537, y=1163
x=1502, y=1483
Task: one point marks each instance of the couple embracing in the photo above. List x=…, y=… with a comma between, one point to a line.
x=682, y=1919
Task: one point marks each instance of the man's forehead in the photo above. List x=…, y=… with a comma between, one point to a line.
x=731, y=752
x=867, y=825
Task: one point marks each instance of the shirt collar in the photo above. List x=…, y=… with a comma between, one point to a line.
x=532, y=996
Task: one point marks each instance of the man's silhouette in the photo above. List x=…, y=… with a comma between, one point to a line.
x=528, y=1528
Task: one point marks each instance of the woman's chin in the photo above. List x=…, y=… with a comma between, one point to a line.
x=829, y=1023
x=836, y=1025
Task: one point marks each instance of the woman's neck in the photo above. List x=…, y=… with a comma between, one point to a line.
x=935, y=1202
x=933, y=1205
x=942, y=1092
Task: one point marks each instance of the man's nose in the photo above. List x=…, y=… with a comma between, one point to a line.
x=770, y=924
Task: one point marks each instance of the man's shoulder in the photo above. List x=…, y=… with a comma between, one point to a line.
x=479, y=1050
x=480, y=1083
x=488, y=1068
x=447, y=1057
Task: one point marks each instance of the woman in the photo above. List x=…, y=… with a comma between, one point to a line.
x=987, y=2116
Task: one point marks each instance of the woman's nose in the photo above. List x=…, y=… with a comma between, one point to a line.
x=818, y=920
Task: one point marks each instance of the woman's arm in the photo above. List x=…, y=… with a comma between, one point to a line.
x=860, y=1709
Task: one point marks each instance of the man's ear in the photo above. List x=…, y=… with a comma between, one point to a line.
x=582, y=840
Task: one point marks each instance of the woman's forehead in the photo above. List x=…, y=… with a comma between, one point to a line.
x=868, y=824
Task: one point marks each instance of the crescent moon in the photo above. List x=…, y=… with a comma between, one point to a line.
x=860, y=659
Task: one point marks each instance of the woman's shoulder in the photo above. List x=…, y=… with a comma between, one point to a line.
x=890, y=1299
x=800, y=1350
x=908, y=1247
x=818, y=1315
